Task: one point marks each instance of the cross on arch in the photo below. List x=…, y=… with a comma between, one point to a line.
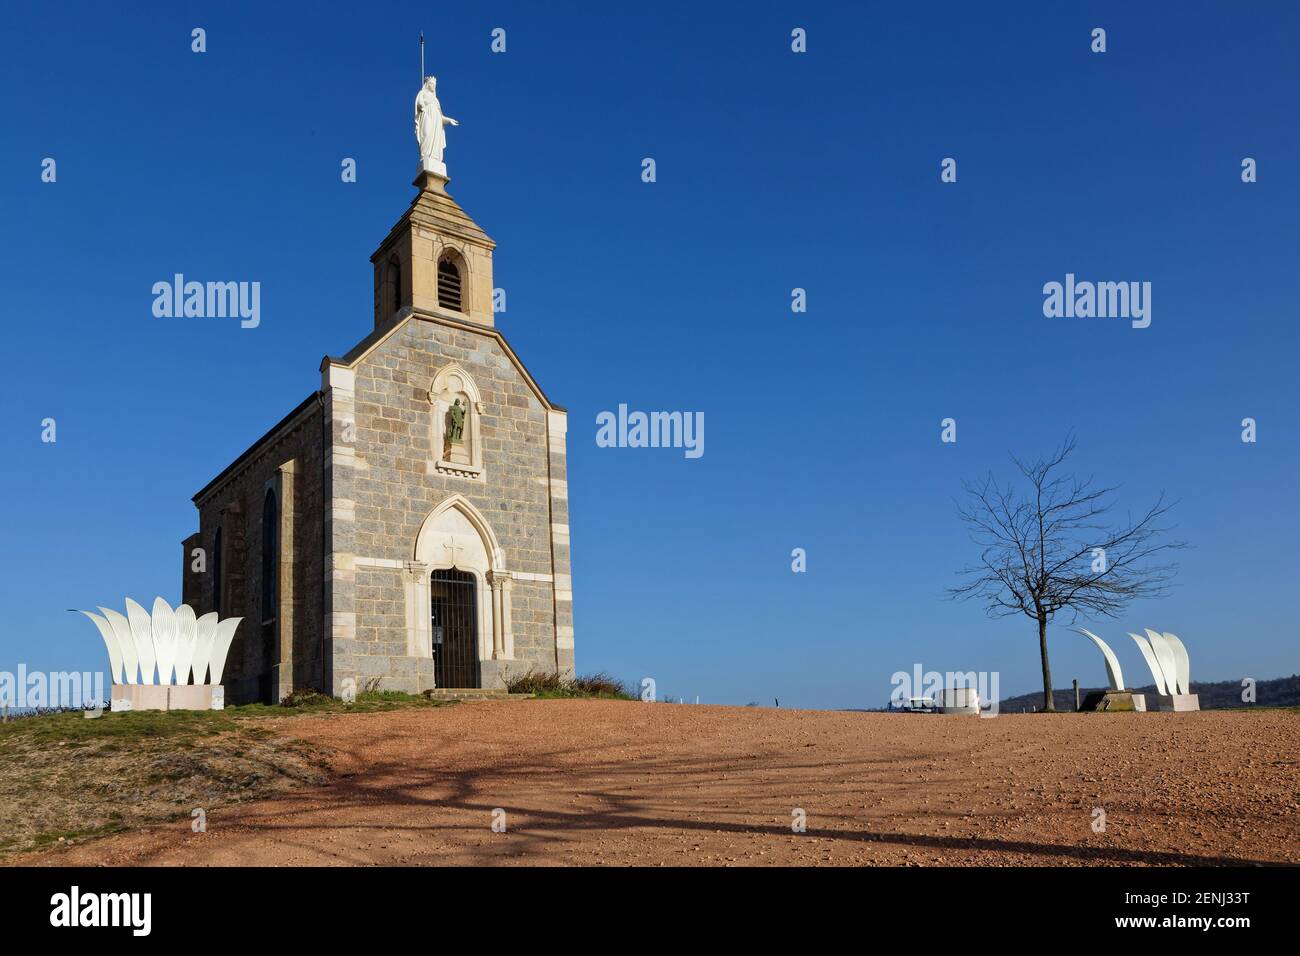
x=453, y=547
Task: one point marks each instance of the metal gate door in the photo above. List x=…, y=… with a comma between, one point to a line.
x=454, y=628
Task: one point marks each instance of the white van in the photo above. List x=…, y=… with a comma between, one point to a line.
x=917, y=705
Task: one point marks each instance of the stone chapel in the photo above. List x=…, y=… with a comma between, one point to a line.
x=405, y=527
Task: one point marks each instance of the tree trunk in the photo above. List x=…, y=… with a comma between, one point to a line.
x=1048, y=704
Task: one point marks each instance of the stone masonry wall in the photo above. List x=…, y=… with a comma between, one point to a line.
x=384, y=491
x=273, y=658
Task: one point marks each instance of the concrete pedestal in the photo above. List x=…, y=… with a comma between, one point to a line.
x=168, y=697
x=1172, y=702
x=1111, y=701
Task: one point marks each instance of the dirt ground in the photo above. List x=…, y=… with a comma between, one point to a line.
x=629, y=783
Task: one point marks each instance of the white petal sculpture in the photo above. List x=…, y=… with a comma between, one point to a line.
x=1149, y=655
x=1112, y=663
x=125, y=642
x=206, y=631
x=110, y=641
x=1183, y=663
x=164, y=640
x=1165, y=655
x=186, y=634
x=142, y=634
x=179, y=644
x=221, y=646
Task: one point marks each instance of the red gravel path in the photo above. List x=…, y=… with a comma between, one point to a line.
x=603, y=782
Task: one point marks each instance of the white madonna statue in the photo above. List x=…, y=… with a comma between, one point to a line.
x=429, y=123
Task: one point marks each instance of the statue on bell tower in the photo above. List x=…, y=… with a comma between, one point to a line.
x=429, y=123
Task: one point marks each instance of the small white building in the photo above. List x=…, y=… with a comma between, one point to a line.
x=958, y=700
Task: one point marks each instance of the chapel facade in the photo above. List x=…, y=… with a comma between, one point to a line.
x=406, y=527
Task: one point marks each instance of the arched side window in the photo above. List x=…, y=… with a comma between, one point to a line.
x=216, y=571
x=270, y=556
x=449, y=285
x=392, y=286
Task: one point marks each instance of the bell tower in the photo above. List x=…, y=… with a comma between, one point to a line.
x=435, y=259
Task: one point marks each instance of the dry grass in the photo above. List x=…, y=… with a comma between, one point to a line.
x=65, y=778
x=550, y=684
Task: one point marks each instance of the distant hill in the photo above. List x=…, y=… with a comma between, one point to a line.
x=1218, y=695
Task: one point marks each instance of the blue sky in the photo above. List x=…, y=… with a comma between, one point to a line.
x=775, y=170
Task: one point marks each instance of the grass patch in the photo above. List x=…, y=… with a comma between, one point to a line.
x=311, y=702
x=52, y=837
x=546, y=684
x=66, y=778
x=74, y=729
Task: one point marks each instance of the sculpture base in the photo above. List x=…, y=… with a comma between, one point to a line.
x=167, y=697
x=1180, y=703
x=434, y=179
x=1110, y=701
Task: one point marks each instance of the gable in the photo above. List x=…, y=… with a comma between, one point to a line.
x=376, y=339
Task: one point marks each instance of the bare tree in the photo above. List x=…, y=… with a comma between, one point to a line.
x=1055, y=548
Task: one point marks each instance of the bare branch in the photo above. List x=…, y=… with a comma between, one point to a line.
x=1056, y=547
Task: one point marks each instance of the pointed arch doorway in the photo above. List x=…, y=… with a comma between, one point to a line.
x=458, y=598
x=453, y=627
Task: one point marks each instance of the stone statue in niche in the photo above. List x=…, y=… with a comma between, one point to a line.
x=456, y=423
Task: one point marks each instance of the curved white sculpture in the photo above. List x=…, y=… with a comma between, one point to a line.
x=142, y=636
x=110, y=641
x=1183, y=663
x=186, y=632
x=206, y=629
x=1153, y=662
x=1113, y=670
x=164, y=640
x=1170, y=666
x=174, y=642
x=125, y=645
x=225, y=633
x=1165, y=655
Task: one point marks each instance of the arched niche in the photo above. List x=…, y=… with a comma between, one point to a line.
x=457, y=446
